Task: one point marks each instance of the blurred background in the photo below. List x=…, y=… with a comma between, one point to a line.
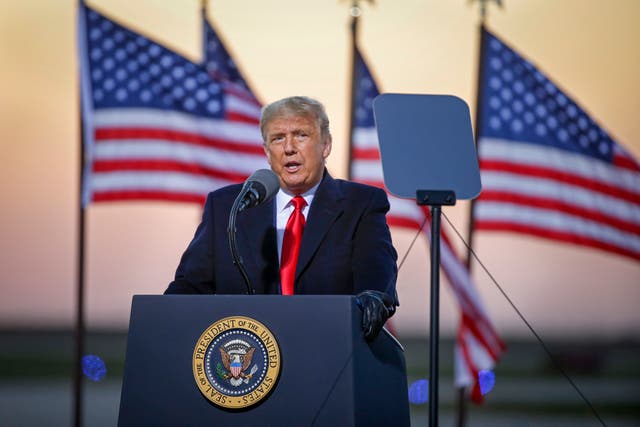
x=582, y=301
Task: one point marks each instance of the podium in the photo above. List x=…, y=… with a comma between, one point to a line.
x=328, y=375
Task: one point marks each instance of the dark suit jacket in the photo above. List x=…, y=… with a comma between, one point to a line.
x=346, y=245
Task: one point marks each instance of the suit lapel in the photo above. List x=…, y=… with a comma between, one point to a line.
x=325, y=208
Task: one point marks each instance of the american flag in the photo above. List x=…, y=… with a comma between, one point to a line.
x=156, y=126
x=478, y=345
x=548, y=169
x=242, y=105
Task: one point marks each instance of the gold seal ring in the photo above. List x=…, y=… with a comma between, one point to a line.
x=236, y=362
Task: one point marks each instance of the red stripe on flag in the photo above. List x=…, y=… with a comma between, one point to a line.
x=235, y=116
x=554, y=174
x=114, y=196
x=553, y=235
x=471, y=308
x=555, y=205
x=165, y=166
x=476, y=395
x=472, y=325
x=236, y=89
x=121, y=133
x=625, y=162
x=398, y=221
x=365, y=153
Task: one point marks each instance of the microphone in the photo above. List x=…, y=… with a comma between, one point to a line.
x=259, y=188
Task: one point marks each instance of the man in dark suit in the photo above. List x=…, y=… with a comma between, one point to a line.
x=345, y=245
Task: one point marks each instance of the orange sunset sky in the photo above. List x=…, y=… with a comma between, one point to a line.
x=286, y=47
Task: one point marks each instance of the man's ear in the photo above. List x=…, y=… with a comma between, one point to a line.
x=326, y=150
x=266, y=152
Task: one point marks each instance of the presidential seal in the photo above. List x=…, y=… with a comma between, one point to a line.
x=236, y=362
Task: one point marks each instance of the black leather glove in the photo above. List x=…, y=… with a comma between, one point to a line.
x=376, y=308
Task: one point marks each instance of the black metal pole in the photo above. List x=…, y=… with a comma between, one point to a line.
x=79, y=328
x=353, y=89
x=434, y=334
x=462, y=391
x=476, y=135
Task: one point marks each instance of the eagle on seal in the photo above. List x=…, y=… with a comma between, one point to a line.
x=236, y=362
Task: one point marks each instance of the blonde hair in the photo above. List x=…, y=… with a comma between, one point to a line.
x=296, y=106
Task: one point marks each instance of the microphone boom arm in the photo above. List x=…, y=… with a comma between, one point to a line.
x=233, y=246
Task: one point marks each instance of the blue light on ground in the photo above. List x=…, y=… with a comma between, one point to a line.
x=93, y=367
x=487, y=380
x=419, y=392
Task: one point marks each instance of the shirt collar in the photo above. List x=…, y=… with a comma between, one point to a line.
x=283, y=198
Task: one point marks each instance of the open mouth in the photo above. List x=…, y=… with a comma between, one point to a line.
x=292, y=167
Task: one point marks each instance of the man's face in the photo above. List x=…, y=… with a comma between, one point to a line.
x=296, y=151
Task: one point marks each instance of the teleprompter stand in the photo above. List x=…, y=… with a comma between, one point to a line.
x=427, y=152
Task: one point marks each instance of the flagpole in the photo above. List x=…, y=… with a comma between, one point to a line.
x=205, y=17
x=204, y=10
x=79, y=332
x=481, y=28
x=355, y=14
x=80, y=325
x=462, y=391
x=483, y=15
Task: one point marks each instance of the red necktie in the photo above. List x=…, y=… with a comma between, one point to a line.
x=291, y=245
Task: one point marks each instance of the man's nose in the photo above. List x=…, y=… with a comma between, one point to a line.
x=289, y=145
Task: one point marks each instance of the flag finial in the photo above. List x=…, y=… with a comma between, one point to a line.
x=355, y=10
x=483, y=7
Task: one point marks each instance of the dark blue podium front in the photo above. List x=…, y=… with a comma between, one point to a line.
x=330, y=376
